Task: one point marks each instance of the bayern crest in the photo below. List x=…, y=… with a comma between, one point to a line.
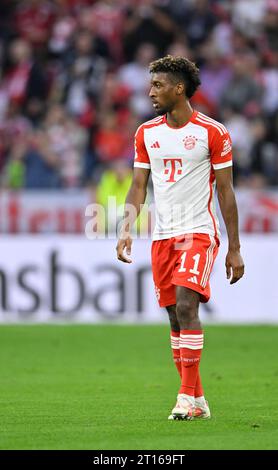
x=189, y=142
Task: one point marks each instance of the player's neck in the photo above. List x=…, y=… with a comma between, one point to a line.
x=180, y=115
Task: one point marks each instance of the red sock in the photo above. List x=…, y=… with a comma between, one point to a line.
x=191, y=345
x=199, y=392
x=175, y=345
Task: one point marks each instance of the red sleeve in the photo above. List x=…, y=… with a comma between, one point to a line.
x=141, y=158
x=220, y=148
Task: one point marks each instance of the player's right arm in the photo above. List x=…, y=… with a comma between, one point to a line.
x=136, y=195
x=133, y=204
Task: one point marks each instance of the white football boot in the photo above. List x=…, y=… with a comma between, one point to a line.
x=201, y=409
x=184, y=408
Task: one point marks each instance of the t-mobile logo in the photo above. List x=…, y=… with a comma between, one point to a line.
x=173, y=167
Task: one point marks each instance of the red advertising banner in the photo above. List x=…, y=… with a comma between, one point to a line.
x=42, y=212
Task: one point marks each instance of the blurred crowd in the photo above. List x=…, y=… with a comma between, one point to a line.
x=74, y=84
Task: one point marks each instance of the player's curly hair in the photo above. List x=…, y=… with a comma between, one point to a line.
x=180, y=69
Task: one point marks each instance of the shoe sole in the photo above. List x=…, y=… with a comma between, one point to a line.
x=181, y=417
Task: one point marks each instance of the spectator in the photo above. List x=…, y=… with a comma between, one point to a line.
x=242, y=90
x=86, y=22
x=24, y=83
x=241, y=134
x=115, y=181
x=135, y=75
x=114, y=95
x=270, y=84
x=197, y=22
x=248, y=18
x=14, y=172
x=107, y=17
x=13, y=128
x=83, y=75
x=41, y=164
x=216, y=70
x=264, y=154
x=147, y=22
x=67, y=142
x=270, y=25
x=62, y=31
x=33, y=21
x=110, y=142
x=111, y=193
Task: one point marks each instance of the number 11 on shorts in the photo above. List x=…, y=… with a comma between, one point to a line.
x=196, y=259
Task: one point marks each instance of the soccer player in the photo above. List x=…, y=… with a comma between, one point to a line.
x=187, y=153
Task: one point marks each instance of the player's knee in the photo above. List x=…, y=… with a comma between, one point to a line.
x=186, y=310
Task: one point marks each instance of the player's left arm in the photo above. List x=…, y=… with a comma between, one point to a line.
x=228, y=207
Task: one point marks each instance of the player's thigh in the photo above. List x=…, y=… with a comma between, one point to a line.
x=187, y=300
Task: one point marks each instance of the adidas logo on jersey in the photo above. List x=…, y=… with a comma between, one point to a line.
x=193, y=279
x=155, y=145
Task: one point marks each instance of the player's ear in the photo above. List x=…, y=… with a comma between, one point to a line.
x=180, y=88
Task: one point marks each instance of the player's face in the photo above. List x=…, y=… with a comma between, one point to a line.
x=163, y=93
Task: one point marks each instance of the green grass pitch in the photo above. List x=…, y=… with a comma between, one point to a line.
x=112, y=387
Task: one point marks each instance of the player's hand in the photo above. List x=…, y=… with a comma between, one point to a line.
x=234, y=266
x=122, y=245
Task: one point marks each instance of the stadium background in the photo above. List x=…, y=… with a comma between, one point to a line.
x=73, y=88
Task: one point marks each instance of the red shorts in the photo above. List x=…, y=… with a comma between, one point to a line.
x=187, y=261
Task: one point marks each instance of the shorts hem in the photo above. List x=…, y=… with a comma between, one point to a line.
x=167, y=303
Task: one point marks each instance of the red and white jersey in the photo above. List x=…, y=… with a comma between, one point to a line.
x=182, y=163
